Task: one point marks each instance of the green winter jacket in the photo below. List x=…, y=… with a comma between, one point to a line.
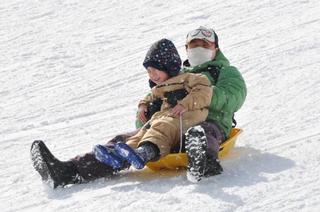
x=229, y=91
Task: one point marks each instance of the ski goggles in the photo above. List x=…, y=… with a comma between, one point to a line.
x=201, y=33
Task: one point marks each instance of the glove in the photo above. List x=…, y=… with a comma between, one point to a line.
x=153, y=107
x=174, y=96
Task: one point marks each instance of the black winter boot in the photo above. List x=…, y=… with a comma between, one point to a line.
x=55, y=172
x=213, y=167
x=200, y=162
x=196, y=145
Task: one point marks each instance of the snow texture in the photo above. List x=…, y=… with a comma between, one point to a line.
x=72, y=75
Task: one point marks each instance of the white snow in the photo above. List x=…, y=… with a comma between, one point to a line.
x=71, y=74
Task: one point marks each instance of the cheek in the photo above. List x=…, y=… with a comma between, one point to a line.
x=164, y=76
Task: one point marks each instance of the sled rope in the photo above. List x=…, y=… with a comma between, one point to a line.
x=145, y=126
x=181, y=130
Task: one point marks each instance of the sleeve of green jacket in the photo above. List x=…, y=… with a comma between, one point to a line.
x=230, y=90
x=139, y=123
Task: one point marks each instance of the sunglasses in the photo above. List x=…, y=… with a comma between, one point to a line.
x=204, y=32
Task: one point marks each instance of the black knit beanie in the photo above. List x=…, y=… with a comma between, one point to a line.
x=164, y=56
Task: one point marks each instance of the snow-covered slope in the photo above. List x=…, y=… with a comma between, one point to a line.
x=71, y=74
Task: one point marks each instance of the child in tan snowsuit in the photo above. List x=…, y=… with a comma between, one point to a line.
x=177, y=94
x=164, y=128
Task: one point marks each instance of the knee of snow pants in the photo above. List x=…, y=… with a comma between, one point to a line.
x=215, y=136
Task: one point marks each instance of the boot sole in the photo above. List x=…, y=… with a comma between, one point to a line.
x=196, y=145
x=40, y=164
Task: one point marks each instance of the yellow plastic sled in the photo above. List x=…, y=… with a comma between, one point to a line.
x=179, y=160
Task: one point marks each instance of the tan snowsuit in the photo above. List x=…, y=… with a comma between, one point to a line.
x=164, y=130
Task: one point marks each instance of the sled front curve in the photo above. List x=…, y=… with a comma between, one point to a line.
x=180, y=160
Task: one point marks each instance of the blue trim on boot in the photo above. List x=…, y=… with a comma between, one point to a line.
x=107, y=156
x=130, y=155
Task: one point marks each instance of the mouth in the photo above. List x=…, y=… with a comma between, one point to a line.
x=156, y=80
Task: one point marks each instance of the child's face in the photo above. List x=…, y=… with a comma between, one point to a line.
x=157, y=76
